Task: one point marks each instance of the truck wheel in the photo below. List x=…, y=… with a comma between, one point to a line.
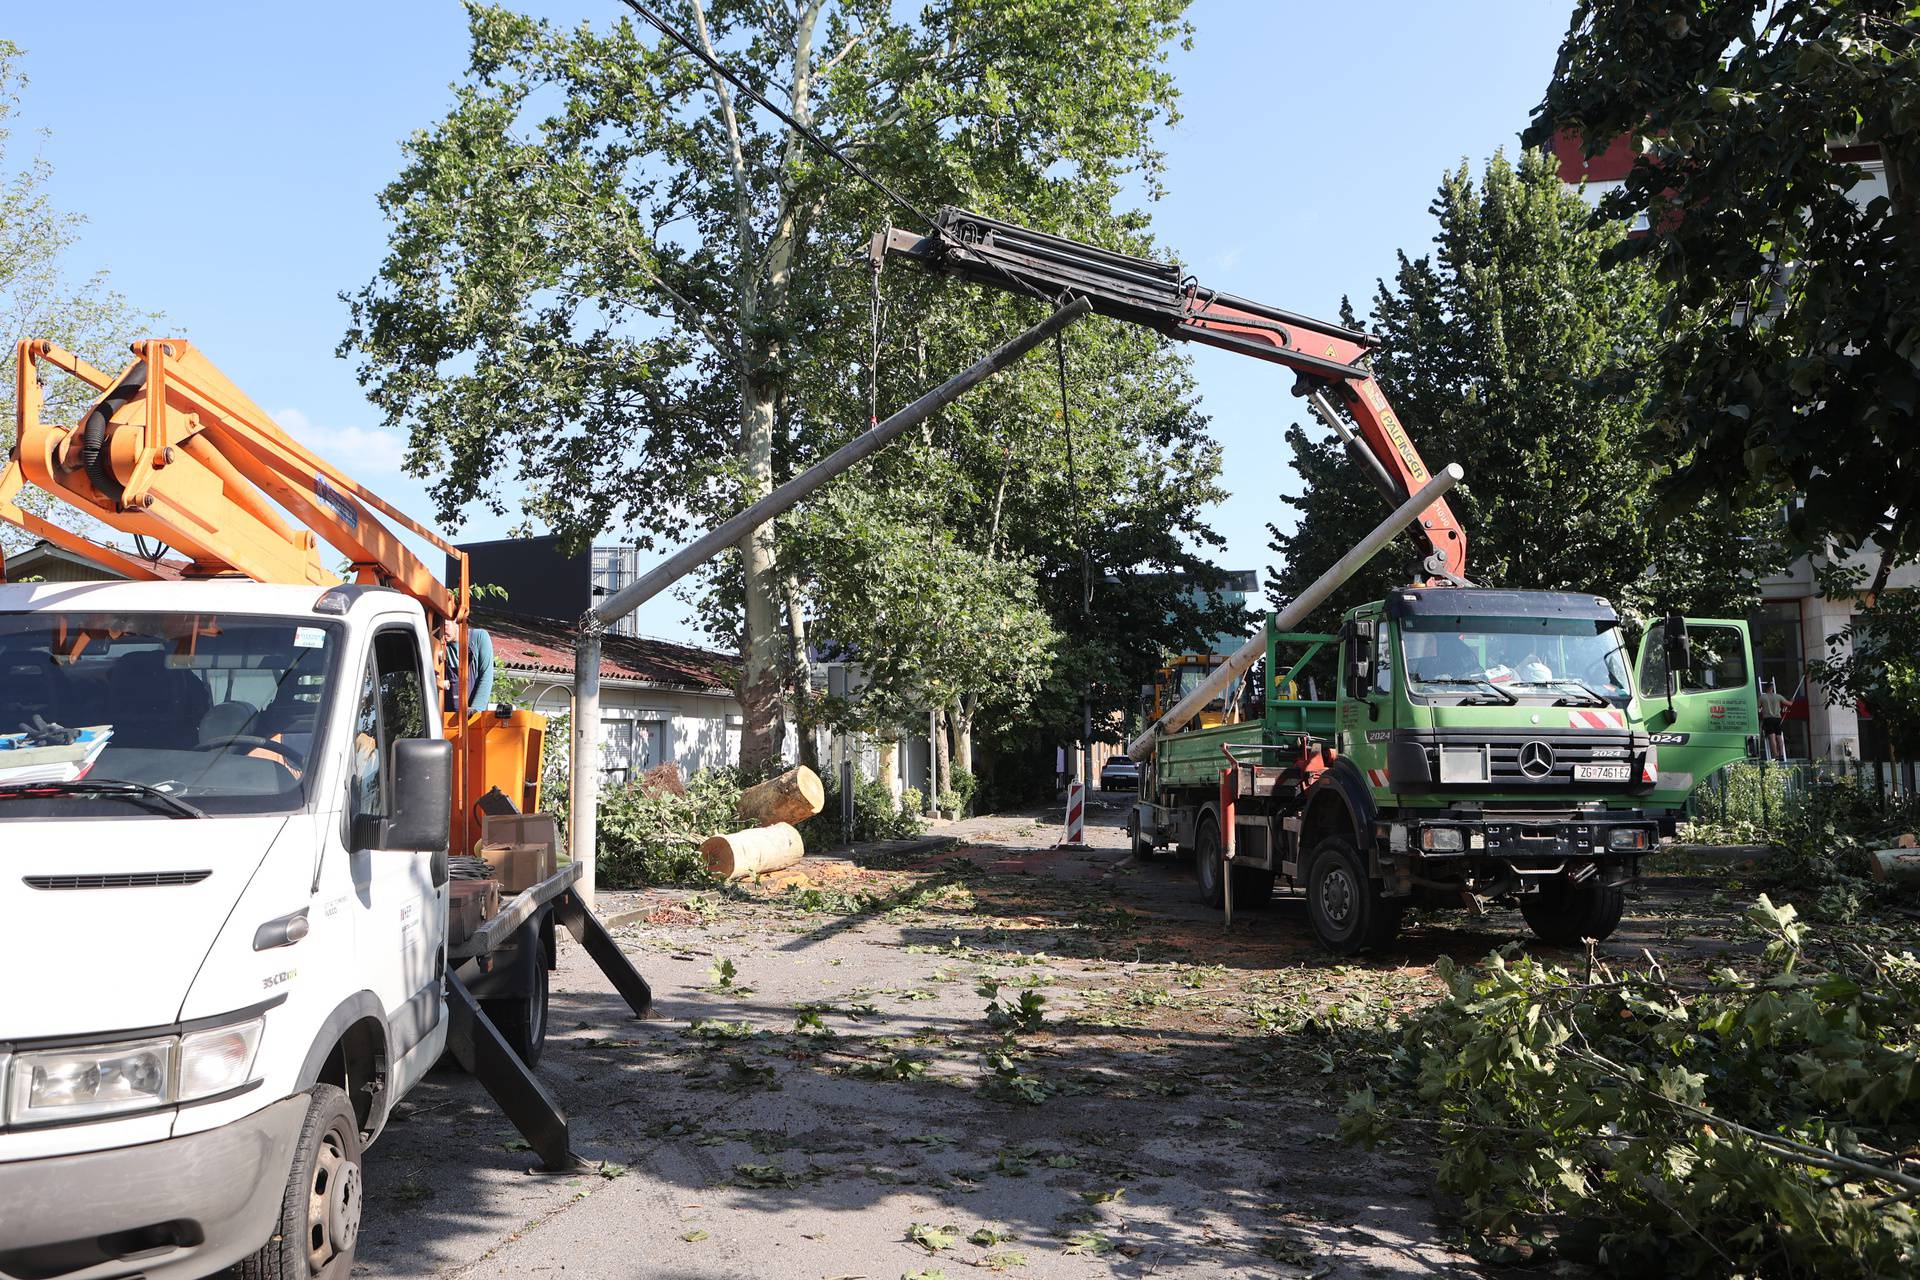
x=1140, y=846
x=522, y=1020
x=1563, y=912
x=320, y=1214
x=1207, y=863
x=1349, y=914
x=1252, y=887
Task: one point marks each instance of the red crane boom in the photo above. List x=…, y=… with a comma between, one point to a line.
x=1327, y=357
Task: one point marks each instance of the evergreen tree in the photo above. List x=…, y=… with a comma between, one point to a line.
x=1501, y=351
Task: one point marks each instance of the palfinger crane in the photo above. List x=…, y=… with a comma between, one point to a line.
x=1331, y=360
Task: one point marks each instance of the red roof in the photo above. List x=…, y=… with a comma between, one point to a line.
x=526, y=643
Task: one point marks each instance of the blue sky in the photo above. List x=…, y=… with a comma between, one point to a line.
x=227, y=156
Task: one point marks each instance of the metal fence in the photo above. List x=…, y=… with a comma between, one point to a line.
x=1765, y=789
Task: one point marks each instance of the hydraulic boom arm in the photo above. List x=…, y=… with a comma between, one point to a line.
x=1327, y=357
x=173, y=450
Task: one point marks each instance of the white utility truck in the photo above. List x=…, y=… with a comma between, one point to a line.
x=227, y=798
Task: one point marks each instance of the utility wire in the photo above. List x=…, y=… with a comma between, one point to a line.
x=785, y=117
x=826, y=148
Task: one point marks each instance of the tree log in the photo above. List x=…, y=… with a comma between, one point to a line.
x=1895, y=865
x=793, y=796
x=740, y=854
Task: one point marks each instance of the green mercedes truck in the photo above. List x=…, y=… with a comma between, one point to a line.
x=1482, y=747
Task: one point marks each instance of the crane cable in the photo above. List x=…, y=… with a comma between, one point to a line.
x=814, y=139
x=785, y=117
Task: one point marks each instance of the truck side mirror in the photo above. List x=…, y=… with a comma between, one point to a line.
x=422, y=800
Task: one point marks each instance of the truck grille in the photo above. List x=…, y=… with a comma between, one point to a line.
x=1513, y=752
x=1519, y=760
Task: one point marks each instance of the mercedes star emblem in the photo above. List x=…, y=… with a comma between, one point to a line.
x=1536, y=759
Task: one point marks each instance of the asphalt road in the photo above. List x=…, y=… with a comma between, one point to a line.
x=1178, y=1133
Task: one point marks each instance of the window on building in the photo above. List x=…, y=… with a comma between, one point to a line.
x=1780, y=658
x=616, y=749
x=629, y=747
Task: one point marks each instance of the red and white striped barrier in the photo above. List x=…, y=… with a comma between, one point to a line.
x=1076, y=816
x=1581, y=718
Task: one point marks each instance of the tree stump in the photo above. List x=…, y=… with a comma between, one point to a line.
x=740, y=854
x=793, y=796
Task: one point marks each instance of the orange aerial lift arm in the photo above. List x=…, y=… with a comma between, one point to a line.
x=1329, y=358
x=173, y=450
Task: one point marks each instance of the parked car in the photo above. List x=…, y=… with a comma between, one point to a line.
x=1119, y=773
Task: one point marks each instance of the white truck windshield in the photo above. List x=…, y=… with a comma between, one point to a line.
x=1470, y=658
x=102, y=711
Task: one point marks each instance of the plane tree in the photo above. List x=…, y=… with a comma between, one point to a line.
x=607, y=274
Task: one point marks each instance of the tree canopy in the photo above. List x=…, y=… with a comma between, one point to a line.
x=614, y=287
x=1497, y=352
x=1791, y=368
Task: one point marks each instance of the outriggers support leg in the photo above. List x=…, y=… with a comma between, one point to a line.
x=479, y=1048
x=591, y=934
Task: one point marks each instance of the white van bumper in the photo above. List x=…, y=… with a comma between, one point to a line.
x=180, y=1208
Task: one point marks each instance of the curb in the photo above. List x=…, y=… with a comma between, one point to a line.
x=917, y=845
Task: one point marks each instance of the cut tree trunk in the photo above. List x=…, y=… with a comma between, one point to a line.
x=793, y=796
x=755, y=851
x=1896, y=866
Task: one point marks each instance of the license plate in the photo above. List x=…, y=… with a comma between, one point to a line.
x=1602, y=773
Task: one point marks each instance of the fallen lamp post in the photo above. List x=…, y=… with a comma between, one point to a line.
x=584, y=794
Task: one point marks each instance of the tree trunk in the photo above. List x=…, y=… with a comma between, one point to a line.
x=739, y=854
x=963, y=733
x=762, y=641
x=942, y=768
x=793, y=796
x=890, y=767
x=800, y=677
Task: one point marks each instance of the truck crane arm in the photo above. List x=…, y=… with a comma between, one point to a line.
x=1328, y=358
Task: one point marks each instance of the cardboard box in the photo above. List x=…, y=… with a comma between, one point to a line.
x=518, y=866
x=520, y=828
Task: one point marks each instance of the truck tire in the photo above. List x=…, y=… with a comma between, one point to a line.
x=1349, y=913
x=1140, y=846
x=1563, y=913
x=319, y=1223
x=1208, y=866
x=522, y=1020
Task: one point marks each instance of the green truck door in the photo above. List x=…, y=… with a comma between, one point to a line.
x=1715, y=712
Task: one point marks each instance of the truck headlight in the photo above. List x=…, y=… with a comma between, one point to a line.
x=1627, y=838
x=72, y=1084
x=58, y=1085
x=1443, y=839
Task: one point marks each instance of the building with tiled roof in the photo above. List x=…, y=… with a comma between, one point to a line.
x=660, y=702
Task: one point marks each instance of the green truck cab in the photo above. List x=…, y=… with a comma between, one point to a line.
x=1483, y=746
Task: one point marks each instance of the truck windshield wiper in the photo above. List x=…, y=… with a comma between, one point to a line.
x=1598, y=699
x=83, y=787
x=1481, y=682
